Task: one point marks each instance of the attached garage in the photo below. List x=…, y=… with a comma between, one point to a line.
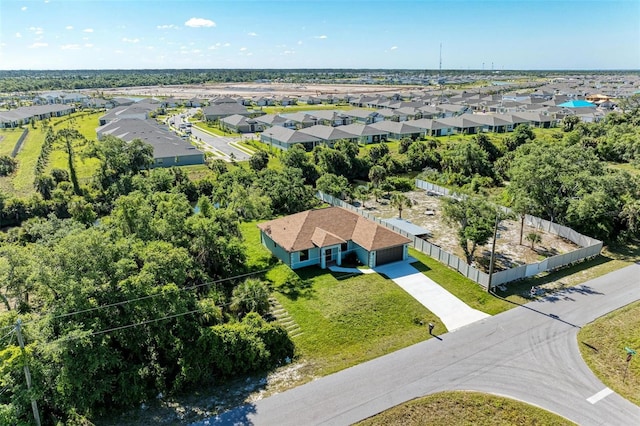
x=388, y=255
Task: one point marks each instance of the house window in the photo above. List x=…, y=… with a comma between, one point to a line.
x=304, y=255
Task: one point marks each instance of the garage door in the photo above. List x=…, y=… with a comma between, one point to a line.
x=389, y=255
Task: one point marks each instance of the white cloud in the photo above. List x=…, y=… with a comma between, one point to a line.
x=250, y=54
x=18, y=35
x=321, y=37
x=299, y=42
x=289, y=52
x=68, y=27
x=199, y=23
x=394, y=47
x=70, y=47
x=88, y=45
x=252, y=34
x=23, y=8
x=242, y=49
x=130, y=40
x=38, y=45
x=88, y=30
x=167, y=27
x=36, y=30
x=119, y=52
x=226, y=45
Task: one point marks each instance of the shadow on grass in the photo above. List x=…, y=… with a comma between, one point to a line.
x=522, y=288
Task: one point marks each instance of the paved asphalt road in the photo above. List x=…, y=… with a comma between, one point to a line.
x=221, y=143
x=529, y=353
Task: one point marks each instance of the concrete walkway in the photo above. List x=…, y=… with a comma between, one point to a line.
x=453, y=312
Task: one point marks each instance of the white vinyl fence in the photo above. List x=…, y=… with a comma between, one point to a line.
x=590, y=247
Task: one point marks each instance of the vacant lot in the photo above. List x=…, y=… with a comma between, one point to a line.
x=427, y=213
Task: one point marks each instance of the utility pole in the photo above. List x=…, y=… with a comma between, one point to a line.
x=493, y=252
x=27, y=373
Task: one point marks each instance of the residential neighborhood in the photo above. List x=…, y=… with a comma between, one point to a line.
x=233, y=242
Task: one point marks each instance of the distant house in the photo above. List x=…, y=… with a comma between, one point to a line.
x=284, y=138
x=363, y=116
x=224, y=107
x=269, y=120
x=140, y=111
x=168, y=149
x=241, y=124
x=329, y=135
x=23, y=115
x=365, y=134
x=398, y=130
x=325, y=236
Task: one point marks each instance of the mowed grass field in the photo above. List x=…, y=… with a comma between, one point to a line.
x=602, y=344
x=21, y=182
x=465, y=408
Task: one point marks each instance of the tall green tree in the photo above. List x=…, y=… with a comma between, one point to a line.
x=474, y=219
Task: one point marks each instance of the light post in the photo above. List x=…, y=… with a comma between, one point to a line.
x=493, y=252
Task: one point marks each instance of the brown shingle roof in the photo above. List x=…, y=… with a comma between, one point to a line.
x=333, y=225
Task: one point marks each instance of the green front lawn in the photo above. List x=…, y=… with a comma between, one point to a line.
x=350, y=321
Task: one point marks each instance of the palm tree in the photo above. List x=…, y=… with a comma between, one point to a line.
x=400, y=201
x=362, y=193
x=533, y=238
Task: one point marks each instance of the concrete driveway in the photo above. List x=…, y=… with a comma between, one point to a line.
x=453, y=312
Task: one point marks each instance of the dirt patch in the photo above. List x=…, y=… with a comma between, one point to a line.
x=426, y=212
x=254, y=89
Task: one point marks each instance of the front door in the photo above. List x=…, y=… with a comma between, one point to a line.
x=327, y=255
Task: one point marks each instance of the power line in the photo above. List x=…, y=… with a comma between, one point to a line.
x=149, y=296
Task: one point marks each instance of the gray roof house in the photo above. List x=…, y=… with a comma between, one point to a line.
x=328, y=134
x=224, y=107
x=276, y=120
x=168, y=149
x=363, y=116
x=398, y=130
x=241, y=124
x=284, y=138
x=138, y=111
x=365, y=134
x=23, y=115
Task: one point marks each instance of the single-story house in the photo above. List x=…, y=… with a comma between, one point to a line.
x=365, y=134
x=329, y=135
x=140, y=111
x=284, y=138
x=168, y=148
x=23, y=115
x=363, y=116
x=331, y=117
x=222, y=108
x=270, y=120
x=324, y=236
x=431, y=127
x=241, y=124
x=464, y=124
x=398, y=130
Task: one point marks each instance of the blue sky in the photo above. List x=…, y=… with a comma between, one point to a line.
x=119, y=34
